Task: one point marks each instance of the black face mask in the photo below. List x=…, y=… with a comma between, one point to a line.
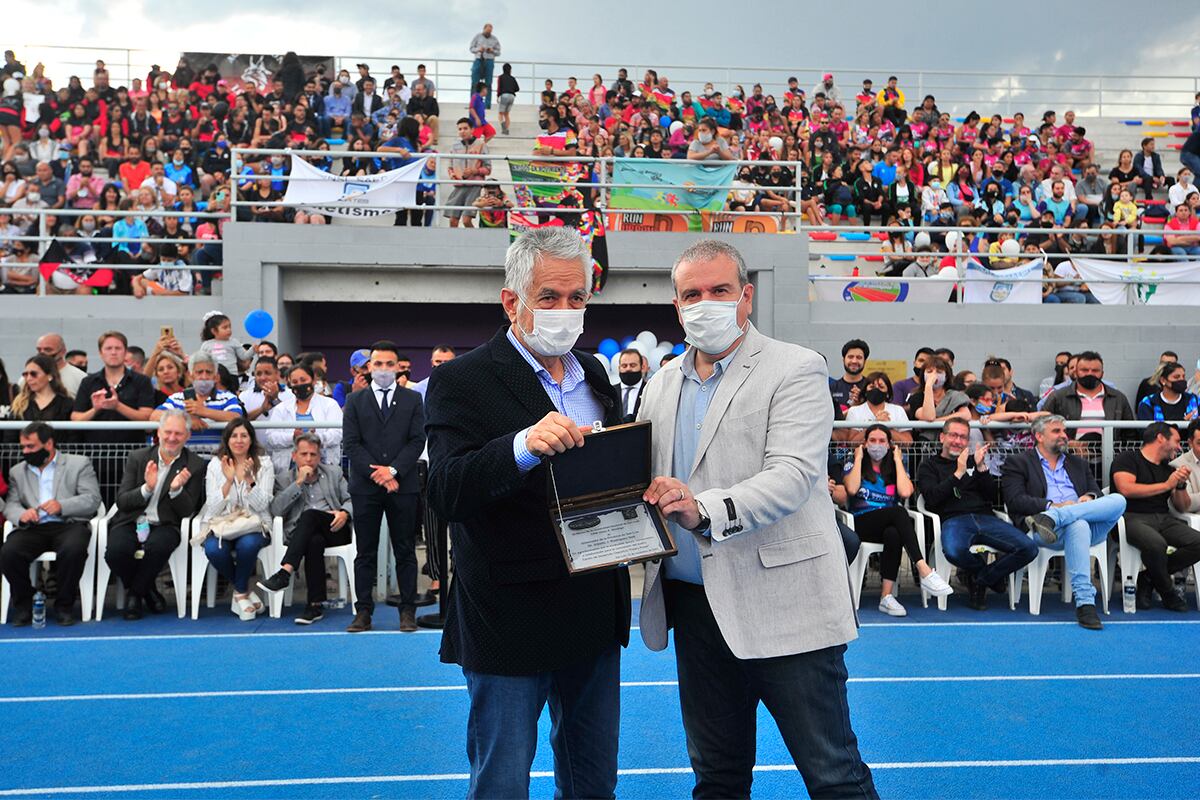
x=303, y=391
x=404, y=373
x=875, y=396
x=544, y=124
x=1179, y=387
x=36, y=458
x=1088, y=382
x=630, y=378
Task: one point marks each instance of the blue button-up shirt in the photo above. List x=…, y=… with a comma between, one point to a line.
x=46, y=488
x=694, y=399
x=573, y=398
x=1059, y=488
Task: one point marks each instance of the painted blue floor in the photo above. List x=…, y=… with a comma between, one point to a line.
x=1061, y=712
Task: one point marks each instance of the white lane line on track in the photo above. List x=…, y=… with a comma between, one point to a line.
x=462, y=776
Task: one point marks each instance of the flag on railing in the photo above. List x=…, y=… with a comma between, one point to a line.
x=353, y=196
x=912, y=290
x=1148, y=284
x=77, y=267
x=1021, y=284
x=566, y=175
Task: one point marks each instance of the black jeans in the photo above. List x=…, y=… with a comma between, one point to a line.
x=308, y=542
x=1151, y=533
x=401, y=510
x=139, y=575
x=719, y=694
x=892, y=528
x=69, y=541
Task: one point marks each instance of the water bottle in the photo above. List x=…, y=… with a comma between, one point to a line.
x=39, y=610
x=142, y=528
x=334, y=604
x=1129, y=593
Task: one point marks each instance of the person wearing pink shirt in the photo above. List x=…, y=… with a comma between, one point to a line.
x=84, y=187
x=1183, y=235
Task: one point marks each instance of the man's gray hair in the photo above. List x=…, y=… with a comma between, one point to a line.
x=175, y=413
x=707, y=250
x=311, y=438
x=525, y=253
x=201, y=358
x=1040, y=424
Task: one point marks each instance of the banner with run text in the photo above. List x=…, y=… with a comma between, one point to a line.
x=655, y=184
x=1148, y=284
x=1021, y=284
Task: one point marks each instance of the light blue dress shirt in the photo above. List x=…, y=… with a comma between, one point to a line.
x=46, y=488
x=694, y=399
x=573, y=398
x=1059, y=488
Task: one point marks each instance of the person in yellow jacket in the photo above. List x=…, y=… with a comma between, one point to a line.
x=891, y=100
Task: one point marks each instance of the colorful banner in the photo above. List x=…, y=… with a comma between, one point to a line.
x=1148, y=284
x=912, y=290
x=684, y=184
x=564, y=173
x=638, y=221
x=1021, y=284
x=238, y=69
x=721, y=222
x=344, y=197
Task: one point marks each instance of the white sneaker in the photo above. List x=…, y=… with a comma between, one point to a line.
x=935, y=585
x=891, y=606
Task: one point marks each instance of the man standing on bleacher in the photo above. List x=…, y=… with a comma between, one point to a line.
x=51, y=498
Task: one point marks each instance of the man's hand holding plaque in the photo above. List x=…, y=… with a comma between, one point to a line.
x=554, y=433
x=675, y=500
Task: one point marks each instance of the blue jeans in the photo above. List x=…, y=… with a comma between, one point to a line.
x=1081, y=527
x=960, y=533
x=235, y=559
x=585, y=713
x=1189, y=250
x=481, y=70
x=1076, y=296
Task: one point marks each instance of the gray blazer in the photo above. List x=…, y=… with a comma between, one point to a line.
x=289, y=499
x=75, y=488
x=774, y=571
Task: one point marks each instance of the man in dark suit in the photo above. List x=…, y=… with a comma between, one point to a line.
x=383, y=434
x=367, y=101
x=164, y=484
x=1053, y=491
x=524, y=630
x=632, y=369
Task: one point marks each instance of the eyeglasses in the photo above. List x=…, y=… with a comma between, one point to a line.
x=31, y=374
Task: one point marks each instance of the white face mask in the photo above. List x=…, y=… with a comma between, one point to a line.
x=939, y=379
x=704, y=136
x=555, y=330
x=877, y=451
x=383, y=378
x=711, y=325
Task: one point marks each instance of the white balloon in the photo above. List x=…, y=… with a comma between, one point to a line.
x=676, y=125
x=649, y=339
x=603, y=359
x=921, y=239
x=1009, y=247
x=641, y=347
x=657, y=354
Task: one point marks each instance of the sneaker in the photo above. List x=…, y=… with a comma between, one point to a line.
x=891, y=606
x=1043, y=526
x=934, y=584
x=309, y=615
x=277, y=582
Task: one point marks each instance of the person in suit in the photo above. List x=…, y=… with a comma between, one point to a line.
x=759, y=593
x=367, y=102
x=525, y=631
x=314, y=500
x=51, y=498
x=383, y=436
x=163, y=484
x=1053, y=492
x=632, y=369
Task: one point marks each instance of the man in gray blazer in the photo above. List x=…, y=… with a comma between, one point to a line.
x=759, y=594
x=51, y=498
x=314, y=501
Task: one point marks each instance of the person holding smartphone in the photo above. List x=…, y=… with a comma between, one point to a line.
x=203, y=400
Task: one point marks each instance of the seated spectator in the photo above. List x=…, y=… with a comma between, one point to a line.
x=876, y=483
x=1182, y=189
x=903, y=388
x=1190, y=458
x=1089, y=194
x=709, y=145
x=1053, y=493
x=847, y=390
x=957, y=485
x=1172, y=401
x=932, y=400
x=305, y=405
x=1124, y=212
x=877, y=408
x=171, y=278
x=314, y=500
x=1148, y=169
x=1186, y=243
x=51, y=498
x=267, y=392
x=202, y=400
x=427, y=106
x=164, y=189
x=236, y=520
x=161, y=485
x=42, y=397
x=84, y=187
x=1087, y=397
x=493, y=206
x=1075, y=292
x=1149, y=481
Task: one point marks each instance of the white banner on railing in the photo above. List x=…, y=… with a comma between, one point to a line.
x=1021, y=284
x=912, y=290
x=1149, y=284
x=345, y=196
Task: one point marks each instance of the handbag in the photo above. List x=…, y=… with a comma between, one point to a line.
x=235, y=524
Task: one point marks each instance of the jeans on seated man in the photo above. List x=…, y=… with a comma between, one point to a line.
x=1054, y=492
x=161, y=484
x=958, y=486
x=51, y=497
x=314, y=501
x=1150, y=484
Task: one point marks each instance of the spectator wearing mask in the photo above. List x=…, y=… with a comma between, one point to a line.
x=933, y=401
x=1150, y=385
x=891, y=100
x=632, y=371
x=202, y=400
x=1152, y=486
x=304, y=405
x=1089, y=195
x=876, y=408
x=829, y=89
x=847, y=390
x=1172, y=401
x=1054, y=493
x=1182, y=232
x=52, y=345
x=338, y=106
x=170, y=278
x=314, y=501
x=903, y=388
x=709, y=145
x=1182, y=189
x=1088, y=397
x=84, y=187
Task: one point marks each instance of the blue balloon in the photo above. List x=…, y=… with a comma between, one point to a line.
x=628, y=340
x=609, y=348
x=258, y=324
x=679, y=348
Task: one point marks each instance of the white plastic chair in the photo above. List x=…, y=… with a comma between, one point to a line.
x=1131, y=557
x=345, y=562
x=87, y=582
x=1040, y=566
x=858, y=567
x=1194, y=521
x=943, y=565
x=177, y=564
x=203, y=578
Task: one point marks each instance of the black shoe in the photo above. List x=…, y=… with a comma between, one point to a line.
x=134, y=608
x=976, y=594
x=1145, y=592
x=309, y=615
x=156, y=602
x=1043, y=526
x=22, y=617
x=277, y=582
x=1087, y=617
x=361, y=623
x=65, y=618
x=408, y=619
x=1173, y=602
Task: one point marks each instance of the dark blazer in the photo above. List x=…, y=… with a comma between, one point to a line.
x=367, y=440
x=637, y=402
x=1066, y=404
x=1023, y=483
x=130, y=502
x=513, y=610
x=359, y=100
x=1156, y=167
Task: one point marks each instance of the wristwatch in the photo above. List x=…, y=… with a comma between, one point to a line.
x=705, y=523
x=392, y=470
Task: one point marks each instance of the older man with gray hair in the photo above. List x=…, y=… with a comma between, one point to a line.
x=204, y=400
x=162, y=484
x=524, y=630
